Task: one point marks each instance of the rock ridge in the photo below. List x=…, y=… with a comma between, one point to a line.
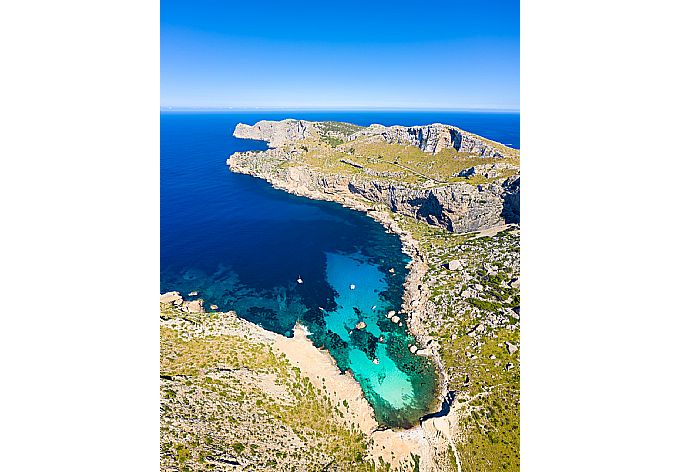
x=456, y=206
x=431, y=138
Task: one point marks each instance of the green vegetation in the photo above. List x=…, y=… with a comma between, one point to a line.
x=483, y=304
x=479, y=366
x=419, y=166
x=335, y=133
x=472, y=314
x=398, y=163
x=334, y=142
x=226, y=397
x=238, y=447
x=338, y=128
x=415, y=460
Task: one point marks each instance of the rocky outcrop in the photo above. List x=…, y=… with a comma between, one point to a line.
x=173, y=298
x=276, y=133
x=429, y=138
x=459, y=207
x=454, y=265
x=511, y=200
x=436, y=137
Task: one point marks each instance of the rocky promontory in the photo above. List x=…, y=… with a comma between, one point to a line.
x=437, y=173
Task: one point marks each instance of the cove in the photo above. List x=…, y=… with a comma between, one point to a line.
x=242, y=245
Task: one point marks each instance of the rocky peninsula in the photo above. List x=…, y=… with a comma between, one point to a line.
x=453, y=198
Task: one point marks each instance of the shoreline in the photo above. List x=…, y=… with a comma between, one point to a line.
x=449, y=307
x=394, y=446
x=413, y=298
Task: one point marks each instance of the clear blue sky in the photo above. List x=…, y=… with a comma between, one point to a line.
x=405, y=53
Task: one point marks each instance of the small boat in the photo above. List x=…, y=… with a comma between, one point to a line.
x=299, y=280
x=352, y=286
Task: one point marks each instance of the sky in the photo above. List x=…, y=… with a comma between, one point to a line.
x=430, y=54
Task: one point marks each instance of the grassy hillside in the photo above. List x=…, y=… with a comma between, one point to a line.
x=229, y=400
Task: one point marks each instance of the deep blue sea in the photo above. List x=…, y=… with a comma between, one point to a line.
x=242, y=245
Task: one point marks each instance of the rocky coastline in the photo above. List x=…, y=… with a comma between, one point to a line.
x=453, y=200
x=189, y=319
x=483, y=207
x=414, y=295
x=456, y=207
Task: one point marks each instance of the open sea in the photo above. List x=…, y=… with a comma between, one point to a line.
x=242, y=245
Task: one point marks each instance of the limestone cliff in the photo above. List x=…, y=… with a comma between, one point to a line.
x=429, y=138
x=457, y=206
x=276, y=133
x=436, y=137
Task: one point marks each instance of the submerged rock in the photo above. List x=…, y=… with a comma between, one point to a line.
x=366, y=342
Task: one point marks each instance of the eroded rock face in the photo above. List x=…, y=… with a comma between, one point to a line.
x=276, y=133
x=429, y=138
x=436, y=137
x=459, y=207
x=173, y=298
x=193, y=306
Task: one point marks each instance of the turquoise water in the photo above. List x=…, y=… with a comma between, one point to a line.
x=242, y=245
x=368, y=358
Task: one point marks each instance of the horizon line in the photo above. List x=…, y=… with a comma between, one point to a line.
x=333, y=108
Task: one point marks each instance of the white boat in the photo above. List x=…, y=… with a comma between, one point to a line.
x=299, y=280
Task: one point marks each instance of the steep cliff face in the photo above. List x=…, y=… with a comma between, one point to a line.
x=457, y=207
x=276, y=133
x=436, y=137
x=429, y=138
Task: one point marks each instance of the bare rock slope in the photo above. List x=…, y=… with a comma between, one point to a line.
x=460, y=199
